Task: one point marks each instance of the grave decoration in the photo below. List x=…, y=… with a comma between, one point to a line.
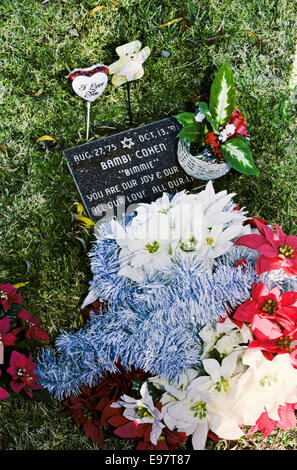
x=215, y=138
x=89, y=84
x=118, y=172
x=18, y=332
x=129, y=67
x=190, y=329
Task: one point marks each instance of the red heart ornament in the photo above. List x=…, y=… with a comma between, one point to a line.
x=89, y=83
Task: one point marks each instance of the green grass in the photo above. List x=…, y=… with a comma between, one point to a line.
x=37, y=52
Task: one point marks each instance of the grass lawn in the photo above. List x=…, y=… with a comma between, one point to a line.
x=37, y=51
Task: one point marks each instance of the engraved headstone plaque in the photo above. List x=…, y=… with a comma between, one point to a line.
x=128, y=168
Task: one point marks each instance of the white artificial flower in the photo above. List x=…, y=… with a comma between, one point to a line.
x=220, y=240
x=202, y=225
x=188, y=226
x=144, y=211
x=206, y=405
x=222, y=375
x=142, y=411
x=225, y=337
x=199, y=117
x=226, y=132
x=145, y=246
x=218, y=208
x=174, y=391
x=222, y=137
x=265, y=385
x=230, y=129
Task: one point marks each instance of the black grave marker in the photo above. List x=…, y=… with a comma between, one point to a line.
x=125, y=169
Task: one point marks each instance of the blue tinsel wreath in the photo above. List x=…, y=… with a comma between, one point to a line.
x=152, y=325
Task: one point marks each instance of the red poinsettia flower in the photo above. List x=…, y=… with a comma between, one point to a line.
x=8, y=296
x=91, y=408
x=287, y=420
x=8, y=339
x=168, y=440
x=269, y=304
x=84, y=412
x=31, y=326
x=22, y=372
x=277, y=250
x=252, y=222
x=273, y=320
x=113, y=385
x=96, y=308
x=213, y=141
x=3, y=393
x=239, y=122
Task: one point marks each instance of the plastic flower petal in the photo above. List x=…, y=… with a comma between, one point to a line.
x=3, y=393
x=277, y=250
x=22, y=372
x=273, y=382
x=31, y=326
x=8, y=296
x=8, y=339
x=142, y=411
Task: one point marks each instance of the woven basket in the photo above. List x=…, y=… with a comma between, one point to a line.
x=198, y=168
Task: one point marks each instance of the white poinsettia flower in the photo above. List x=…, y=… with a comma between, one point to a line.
x=218, y=207
x=204, y=408
x=145, y=247
x=220, y=239
x=142, y=411
x=187, y=226
x=225, y=337
x=174, y=391
x=145, y=211
x=235, y=340
x=222, y=375
x=265, y=385
x=203, y=225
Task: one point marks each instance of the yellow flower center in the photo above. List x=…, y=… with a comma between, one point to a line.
x=222, y=384
x=152, y=247
x=284, y=342
x=209, y=240
x=287, y=251
x=199, y=409
x=269, y=307
x=267, y=380
x=143, y=412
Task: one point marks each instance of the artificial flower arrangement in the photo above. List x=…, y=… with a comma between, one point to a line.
x=190, y=331
x=217, y=132
x=17, y=331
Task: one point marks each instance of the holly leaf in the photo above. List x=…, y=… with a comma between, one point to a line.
x=238, y=154
x=222, y=95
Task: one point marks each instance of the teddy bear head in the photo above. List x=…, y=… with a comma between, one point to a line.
x=129, y=51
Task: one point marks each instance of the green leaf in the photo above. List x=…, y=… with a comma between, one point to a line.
x=222, y=95
x=192, y=133
x=238, y=154
x=185, y=118
x=203, y=108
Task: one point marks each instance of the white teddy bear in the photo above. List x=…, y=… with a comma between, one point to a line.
x=129, y=66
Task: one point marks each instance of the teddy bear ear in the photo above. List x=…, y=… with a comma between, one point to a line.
x=120, y=50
